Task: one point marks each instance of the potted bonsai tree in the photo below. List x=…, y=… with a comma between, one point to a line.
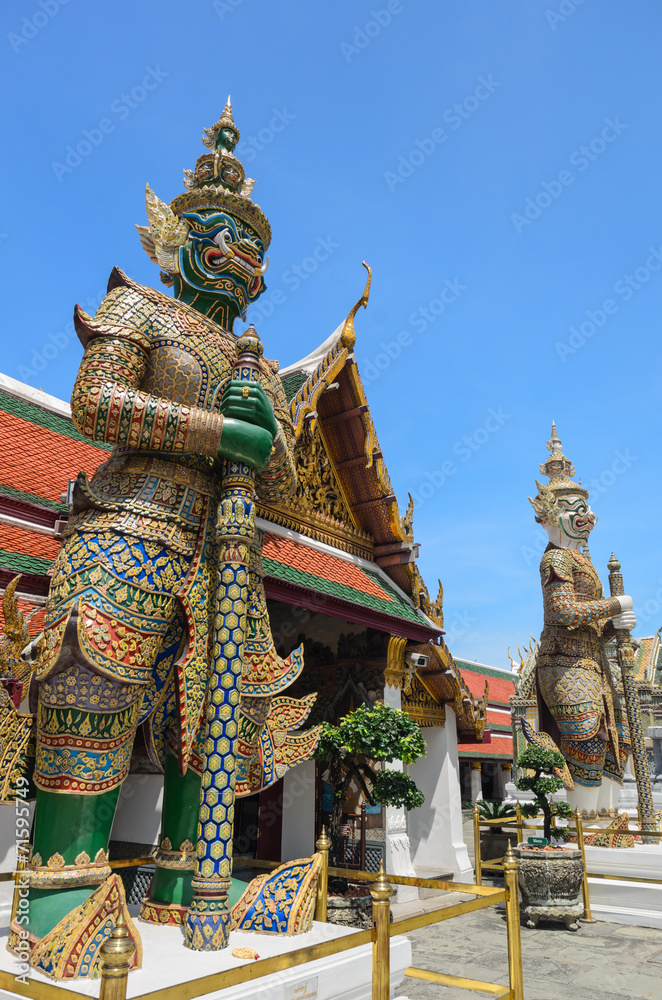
x=550, y=878
x=356, y=750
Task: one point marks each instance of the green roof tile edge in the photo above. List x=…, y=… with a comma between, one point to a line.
x=11, y=491
x=292, y=383
x=19, y=563
x=398, y=608
x=33, y=414
x=477, y=668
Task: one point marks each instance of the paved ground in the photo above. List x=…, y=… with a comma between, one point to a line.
x=601, y=961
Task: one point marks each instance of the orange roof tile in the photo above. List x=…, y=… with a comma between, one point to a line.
x=29, y=543
x=41, y=461
x=500, y=690
x=329, y=567
x=497, y=719
x=497, y=748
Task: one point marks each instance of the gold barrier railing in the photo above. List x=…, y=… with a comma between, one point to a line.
x=576, y=823
x=117, y=950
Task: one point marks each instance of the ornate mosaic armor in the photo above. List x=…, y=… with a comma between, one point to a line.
x=131, y=586
x=149, y=616
x=574, y=677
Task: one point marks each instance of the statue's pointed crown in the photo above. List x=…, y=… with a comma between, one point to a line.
x=219, y=180
x=559, y=470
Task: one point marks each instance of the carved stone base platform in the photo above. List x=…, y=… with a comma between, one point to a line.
x=166, y=963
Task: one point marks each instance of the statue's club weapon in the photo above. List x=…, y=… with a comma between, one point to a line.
x=207, y=922
x=625, y=655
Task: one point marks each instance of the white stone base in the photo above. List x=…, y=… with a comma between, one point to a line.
x=166, y=962
x=636, y=903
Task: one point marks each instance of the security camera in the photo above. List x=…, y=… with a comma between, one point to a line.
x=417, y=660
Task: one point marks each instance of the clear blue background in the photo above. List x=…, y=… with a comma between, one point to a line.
x=358, y=99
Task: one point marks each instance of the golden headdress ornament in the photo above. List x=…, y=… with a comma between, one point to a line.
x=559, y=470
x=210, y=135
x=217, y=182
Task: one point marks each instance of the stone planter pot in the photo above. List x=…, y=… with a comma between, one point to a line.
x=494, y=845
x=350, y=911
x=551, y=885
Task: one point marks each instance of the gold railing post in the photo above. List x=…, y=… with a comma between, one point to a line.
x=323, y=844
x=518, y=817
x=381, y=892
x=579, y=827
x=116, y=954
x=510, y=866
x=478, y=862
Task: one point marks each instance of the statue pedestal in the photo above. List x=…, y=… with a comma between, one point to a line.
x=636, y=903
x=166, y=963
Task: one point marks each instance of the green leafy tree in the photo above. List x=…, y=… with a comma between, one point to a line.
x=543, y=782
x=367, y=737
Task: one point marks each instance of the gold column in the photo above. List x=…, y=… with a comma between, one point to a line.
x=520, y=829
x=510, y=866
x=381, y=892
x=323, y=844
x=117, y=952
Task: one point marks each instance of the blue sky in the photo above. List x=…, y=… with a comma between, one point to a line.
x=495, y=161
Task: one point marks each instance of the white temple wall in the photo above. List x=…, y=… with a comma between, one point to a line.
x=435, y=829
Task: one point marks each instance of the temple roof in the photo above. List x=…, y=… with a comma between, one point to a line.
x=342, y=586
x=327, y=398
x=42, y=452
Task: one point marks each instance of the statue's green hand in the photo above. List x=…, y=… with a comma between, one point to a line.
x=248, y=401
x=244, y=442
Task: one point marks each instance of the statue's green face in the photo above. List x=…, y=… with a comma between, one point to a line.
x=223, y=257
x=227, y=139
